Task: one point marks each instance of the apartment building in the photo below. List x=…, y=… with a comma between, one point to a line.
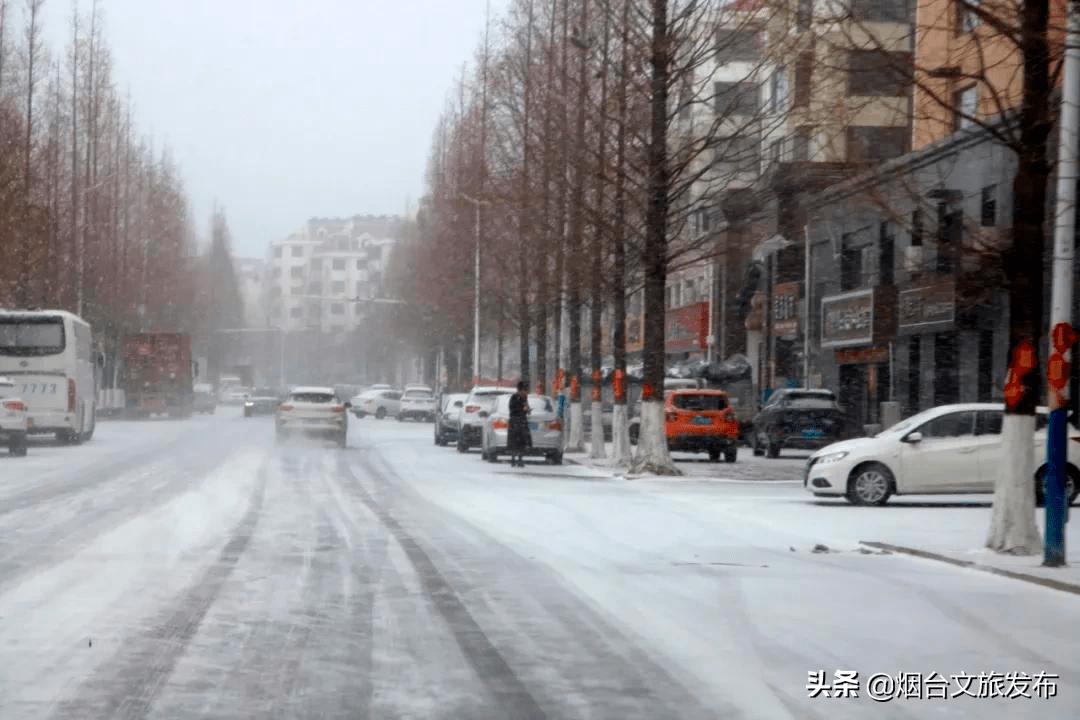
x=907, y=306
x=320, y=276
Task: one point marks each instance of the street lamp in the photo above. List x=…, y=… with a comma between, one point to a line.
x=476, y=289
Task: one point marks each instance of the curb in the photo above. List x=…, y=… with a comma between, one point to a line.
x=971, y=565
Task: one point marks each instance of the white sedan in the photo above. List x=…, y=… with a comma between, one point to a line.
x=952, y=449
x=545, y=429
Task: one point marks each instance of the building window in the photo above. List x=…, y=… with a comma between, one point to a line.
x=337, y=309
x=946, y=372
x=800, y=144
x=914, y=374
x=736, y=98
x=296, y=312
x=804, y=70
x=338, y=287
x=898, y=11
x=916, y=228
x=876, y=73
x=315, y=288
x=950, y=227
x=316, y=263
x=277, y=251
x=277, y=272
x=275, y=292
x=779, y=90
x=735, y=45
x=314, y=310
x=737, y=154
x=851, y=268
x=296, y=272
x=275, y=312
x=965, y=107
x=359, y=264
x=359, y=289
x=986, y=366
x=989, y=206
x=804, y=15
x=339, y=263
x=967, y=18
x=297, y=251
x=868, y=143
x=886, y=254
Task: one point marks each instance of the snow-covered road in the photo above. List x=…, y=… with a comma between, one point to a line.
x=191, y=569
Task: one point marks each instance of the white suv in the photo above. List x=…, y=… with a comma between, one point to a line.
x=417, y=403
x=313, y=411
x=13, y=422
x=471, y=426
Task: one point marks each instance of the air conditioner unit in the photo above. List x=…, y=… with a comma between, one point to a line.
x=913, y=259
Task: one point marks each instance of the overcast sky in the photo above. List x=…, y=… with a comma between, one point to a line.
x=283, y=110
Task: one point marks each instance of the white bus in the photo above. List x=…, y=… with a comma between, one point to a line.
x=49, y=355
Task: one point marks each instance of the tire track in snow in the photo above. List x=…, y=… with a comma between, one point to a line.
x=133, y=679
x=490, y=666
x=580, y=663
x=41, y=540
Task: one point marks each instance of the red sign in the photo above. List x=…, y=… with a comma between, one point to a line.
x=862, y=355
x=687, y=328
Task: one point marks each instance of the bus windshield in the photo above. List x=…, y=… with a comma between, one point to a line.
x=31, y=337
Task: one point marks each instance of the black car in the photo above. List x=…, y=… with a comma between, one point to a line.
x=261, y=401
x=799, y=418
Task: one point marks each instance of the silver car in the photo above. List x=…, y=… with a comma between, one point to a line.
x=448, y=417
x=544, y=428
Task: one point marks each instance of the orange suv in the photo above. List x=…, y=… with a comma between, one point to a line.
x=700, y=420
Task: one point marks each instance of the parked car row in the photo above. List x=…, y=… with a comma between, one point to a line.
x=415, y=402
x=481, y=419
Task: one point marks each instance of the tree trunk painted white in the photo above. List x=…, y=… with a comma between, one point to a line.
x=1013, y=529
x=621, y=449
x=598, y=451
x=652, y=450
x=576, y=441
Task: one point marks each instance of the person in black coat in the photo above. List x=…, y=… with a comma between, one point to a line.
x=518, y=437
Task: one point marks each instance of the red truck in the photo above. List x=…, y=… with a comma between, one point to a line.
x=158, y=374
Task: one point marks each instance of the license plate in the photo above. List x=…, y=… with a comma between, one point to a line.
x=534, y=426
x=813, y=433
x=701, y=420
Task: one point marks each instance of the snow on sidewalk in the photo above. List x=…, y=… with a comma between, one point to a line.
x=941, y=528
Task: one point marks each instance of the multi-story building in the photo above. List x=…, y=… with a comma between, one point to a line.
x=906, y=299
x=803, y=94
x=319, y=280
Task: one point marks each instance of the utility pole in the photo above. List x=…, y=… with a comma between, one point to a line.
x=476, y=290
x=1062, y=336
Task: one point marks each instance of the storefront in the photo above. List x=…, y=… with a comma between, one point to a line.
x=947, y=353
x=857, y=330
x=686, y=332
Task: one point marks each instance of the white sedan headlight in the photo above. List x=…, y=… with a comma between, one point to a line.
x=831, y=457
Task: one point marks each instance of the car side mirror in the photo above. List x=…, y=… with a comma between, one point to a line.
x=913, y=437
x=348, y=404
